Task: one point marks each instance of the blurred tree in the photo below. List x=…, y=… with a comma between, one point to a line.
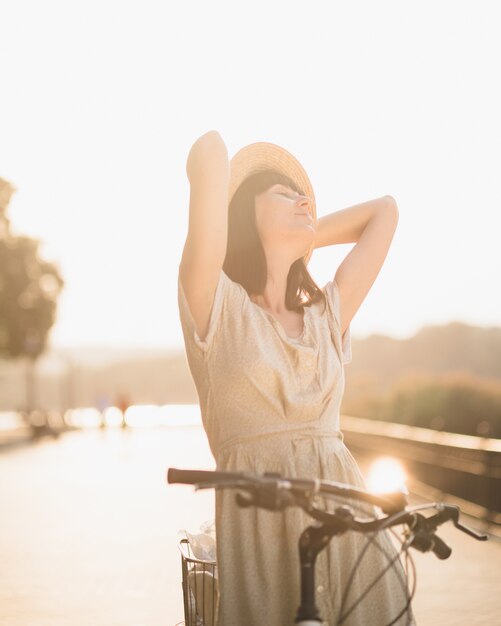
x=457, y=402
x=6, y=191
x=29, y=288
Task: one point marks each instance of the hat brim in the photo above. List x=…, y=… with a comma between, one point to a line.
x=262, y=156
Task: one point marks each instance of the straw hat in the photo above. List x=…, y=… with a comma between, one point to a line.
x=261, y=156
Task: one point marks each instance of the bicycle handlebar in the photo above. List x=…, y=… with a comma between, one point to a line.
x=191, y=477
x=203, y=479
x=272, y=491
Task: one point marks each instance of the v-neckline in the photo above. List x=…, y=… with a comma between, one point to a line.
x=280, y=326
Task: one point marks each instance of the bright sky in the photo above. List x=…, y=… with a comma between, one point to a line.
x=101, y=101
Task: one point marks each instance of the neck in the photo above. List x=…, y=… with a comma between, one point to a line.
x=273, y=297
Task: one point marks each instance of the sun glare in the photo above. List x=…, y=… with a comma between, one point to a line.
x=386, y=475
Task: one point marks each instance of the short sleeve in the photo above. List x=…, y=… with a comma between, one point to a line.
x=223, y=292
x=331, y=291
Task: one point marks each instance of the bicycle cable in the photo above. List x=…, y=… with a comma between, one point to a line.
x=373, y=540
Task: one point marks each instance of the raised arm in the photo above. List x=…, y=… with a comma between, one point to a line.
x=208, y=171
x=371, y=225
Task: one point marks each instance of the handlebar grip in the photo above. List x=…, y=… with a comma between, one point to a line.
x=440, y=548
x=191, y=477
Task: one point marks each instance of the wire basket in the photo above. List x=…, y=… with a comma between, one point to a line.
x=200, y=587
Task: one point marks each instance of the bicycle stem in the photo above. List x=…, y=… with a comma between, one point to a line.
x=311, y=542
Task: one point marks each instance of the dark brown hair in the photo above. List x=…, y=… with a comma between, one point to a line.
x=245, y=260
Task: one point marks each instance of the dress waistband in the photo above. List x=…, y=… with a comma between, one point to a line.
x=306, y=433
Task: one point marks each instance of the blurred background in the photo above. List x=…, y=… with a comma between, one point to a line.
x=100, y=104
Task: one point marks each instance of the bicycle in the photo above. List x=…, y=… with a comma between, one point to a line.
x=273, y=492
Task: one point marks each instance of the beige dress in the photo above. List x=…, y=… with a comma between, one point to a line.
x=270, y=403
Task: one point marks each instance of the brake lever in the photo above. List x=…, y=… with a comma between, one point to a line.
x=244, y=501
x=451, y=512
x=470, y=531
x=455, y=512
x=270, y=496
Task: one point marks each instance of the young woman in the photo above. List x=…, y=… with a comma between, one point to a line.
x=267, y=348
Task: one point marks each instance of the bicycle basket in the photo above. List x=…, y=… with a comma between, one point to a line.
x=200, y=587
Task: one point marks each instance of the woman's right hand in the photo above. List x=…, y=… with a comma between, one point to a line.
x=206, y=148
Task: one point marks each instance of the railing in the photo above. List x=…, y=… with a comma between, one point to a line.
x=461, y=465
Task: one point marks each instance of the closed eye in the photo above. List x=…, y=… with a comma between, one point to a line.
x=287, y=193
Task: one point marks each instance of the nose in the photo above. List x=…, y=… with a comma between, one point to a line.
x=303, y=203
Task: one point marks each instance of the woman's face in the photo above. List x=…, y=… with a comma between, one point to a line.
x=283, y=214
